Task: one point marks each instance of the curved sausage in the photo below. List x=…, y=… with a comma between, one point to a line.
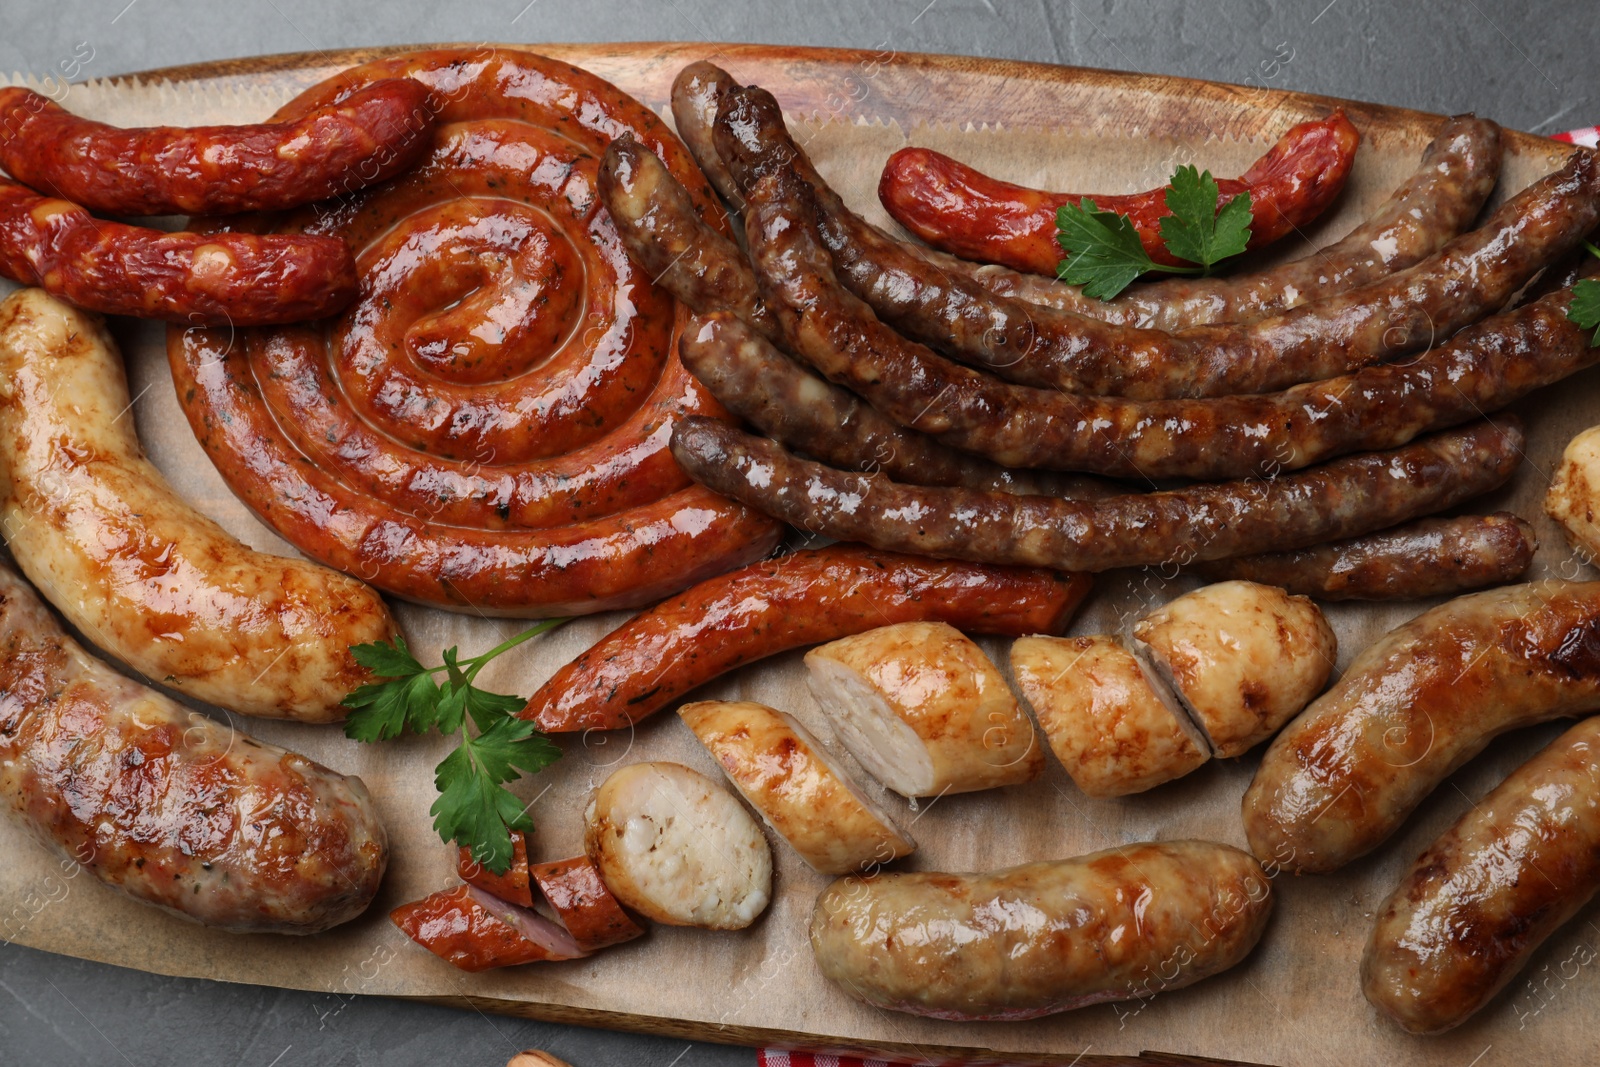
x=1414, y=706
x=1343, y=498
x=1474, y=274
x=1478, y=901
x=803, y=598
x=1484, y=368
x=959, y=209
x=1429, y=557
x=168, y=806
x=487, y=426
x=363, y=138
x=149, y=579
x=238, y=279
x=1438, y=201
x=1132, y=921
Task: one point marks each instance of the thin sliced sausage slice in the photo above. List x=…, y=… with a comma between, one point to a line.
x=581, y=903
x=513, y=886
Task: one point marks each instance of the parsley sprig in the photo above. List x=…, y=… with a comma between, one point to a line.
x=474, y=808
x=1104, y=253
x=1585, y=307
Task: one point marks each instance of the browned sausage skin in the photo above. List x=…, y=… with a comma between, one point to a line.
x=1414, y=706
x=800, y=599
x=366, y=136
x=1027, y=941
x=170, y=807
x=193, y=278
x=1485, y=367
x=1479, y=900
x=1430, y=557
x=1456, y=175
x=1475, y=274
x=1341, y=499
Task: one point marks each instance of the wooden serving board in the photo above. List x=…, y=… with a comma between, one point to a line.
x=1295, y=1000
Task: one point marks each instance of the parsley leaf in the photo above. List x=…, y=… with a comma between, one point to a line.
x=474, y=808
x=1196, y=231
x=1104, y=252
x=1585, y=307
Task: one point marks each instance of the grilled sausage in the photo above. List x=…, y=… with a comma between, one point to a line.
x=800, y=599
x=1114, y=728
x=477, y=931
x=1456, y=175
x=1243, y=658
x=150, y=580
x=787, y=776
x=1429, y=557
x=958, y=209
x=1343, y=498
x=1484, y=368
x=1479, y=900
x=172, y=808
x=578, y=899
x=361, y=139
x=513, y=887
x=1027, y=941
x=1573, y=499
x=1475, y=274
x=1414, y=706
x=487, y=428
x=237, y=279
x=678, y=849
x=920, y=706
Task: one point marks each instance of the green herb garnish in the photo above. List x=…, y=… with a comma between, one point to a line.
x=1104, y=253
x=474, y=808
x=1585, y=307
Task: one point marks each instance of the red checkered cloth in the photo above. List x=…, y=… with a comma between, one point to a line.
x=1588, y=137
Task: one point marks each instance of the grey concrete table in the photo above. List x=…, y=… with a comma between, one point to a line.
x=1528, y=65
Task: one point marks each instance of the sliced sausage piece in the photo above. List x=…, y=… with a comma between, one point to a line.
x=920, y=706
x=477, y=931
x=512, y=886
x=677, y=848
x=1114, y=728
x=1479, y=900
x=1244, y=658
x=1573, y=499
x=581, y=903
x=1414, y=706
x=787, y=776
x=1132, y=921
x=1429, y=557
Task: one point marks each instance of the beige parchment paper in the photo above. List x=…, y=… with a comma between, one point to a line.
x=1295, y=1001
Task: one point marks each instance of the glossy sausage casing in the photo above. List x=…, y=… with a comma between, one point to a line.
x=149, y=579
x=173, y=808
x=1414, y=706
x=800, y=599
x=1027, y=941
x=1479, y=900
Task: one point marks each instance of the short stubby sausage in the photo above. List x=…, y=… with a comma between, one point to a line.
x=172, y=808
x=151, y=580
x=1482, y=369
x=486, y=428
x=803, y=598
x=1414, y=706
x=1429, y=557
x=1340, y=499
x=1027, y=941
x=1473, y=275
x=362, y=138
x=1478, y=901
x=199, y=279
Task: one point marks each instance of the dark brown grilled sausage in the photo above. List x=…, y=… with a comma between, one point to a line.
x=1478, y=902
x=168, y=806
x=1431, y=557
x=696, y=95
x=194, y=278
x=1475, y=274
x=788, y=403
x=366, y=136
x=1344, y=498
x=1486, y=367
